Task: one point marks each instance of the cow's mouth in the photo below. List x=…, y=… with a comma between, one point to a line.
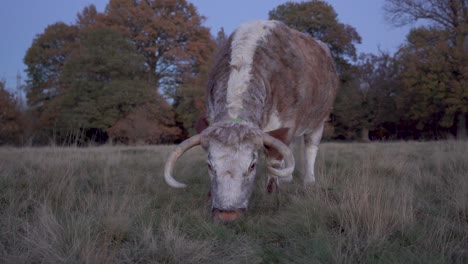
x=228, y=216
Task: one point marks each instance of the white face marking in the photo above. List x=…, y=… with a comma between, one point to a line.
x=243, y=48
x=232, y=179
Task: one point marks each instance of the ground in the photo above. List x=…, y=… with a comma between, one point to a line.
x=403, y=202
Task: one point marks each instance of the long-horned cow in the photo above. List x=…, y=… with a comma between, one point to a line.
x=269, y=84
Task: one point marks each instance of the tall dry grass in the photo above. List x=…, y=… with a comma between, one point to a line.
x=373, y=203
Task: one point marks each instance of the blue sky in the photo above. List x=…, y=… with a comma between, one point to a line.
x=22, y=20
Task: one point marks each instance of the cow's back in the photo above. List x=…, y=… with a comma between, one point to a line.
x=287, y=79
x=299, y=78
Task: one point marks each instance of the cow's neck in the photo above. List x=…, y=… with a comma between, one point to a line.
x=242, y=117
x=250, y=112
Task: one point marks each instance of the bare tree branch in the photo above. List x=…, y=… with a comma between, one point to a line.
x=446, y=13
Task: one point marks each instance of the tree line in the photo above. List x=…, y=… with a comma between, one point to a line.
x=136, y=72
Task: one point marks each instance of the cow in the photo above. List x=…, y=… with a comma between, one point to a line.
x=269, y=84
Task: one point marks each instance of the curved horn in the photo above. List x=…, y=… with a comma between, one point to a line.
x=178, y=151
x=285, y=152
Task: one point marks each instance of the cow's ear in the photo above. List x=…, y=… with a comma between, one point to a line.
x=281, y=134
x=201, y=124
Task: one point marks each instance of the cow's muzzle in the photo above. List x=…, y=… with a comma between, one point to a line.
x=228, y=216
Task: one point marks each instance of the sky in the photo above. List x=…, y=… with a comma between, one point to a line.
x=22, y=20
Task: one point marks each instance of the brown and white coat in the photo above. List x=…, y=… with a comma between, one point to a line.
x=269, y=84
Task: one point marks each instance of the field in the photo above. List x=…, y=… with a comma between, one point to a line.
x=373, y=203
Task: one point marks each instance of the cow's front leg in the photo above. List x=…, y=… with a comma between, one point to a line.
x=311, y=142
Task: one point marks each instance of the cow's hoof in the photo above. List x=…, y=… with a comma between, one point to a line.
x=309, y=181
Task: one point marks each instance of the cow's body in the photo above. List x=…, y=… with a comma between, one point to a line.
x=287, y=79
x=267, y=78
x=277, y=78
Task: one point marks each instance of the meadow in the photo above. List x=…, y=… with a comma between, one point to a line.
x=400, y=202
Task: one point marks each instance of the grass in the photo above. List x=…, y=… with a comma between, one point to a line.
x=373, y=203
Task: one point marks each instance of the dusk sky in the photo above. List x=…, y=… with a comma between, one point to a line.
x=22, y=20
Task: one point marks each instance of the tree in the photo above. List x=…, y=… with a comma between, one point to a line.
x=149, y=123
x=435, y=58
x=10, y=117
x=221, y=37
x=378, y=88
x=318, y=19
x=103, y=82
x=432, y=96
x=79, y=75
x=190, y=100
x=168, y=33
x=177, y=49
x=88, y=18
x=347, y=115
x=448, y=14
x=44, y=61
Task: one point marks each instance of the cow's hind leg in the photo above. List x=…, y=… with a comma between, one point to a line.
x=311, y=142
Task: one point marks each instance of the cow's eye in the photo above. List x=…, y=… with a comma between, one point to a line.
x=209, y=167
x=252, y=166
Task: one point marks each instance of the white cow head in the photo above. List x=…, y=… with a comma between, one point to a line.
x=232, y=162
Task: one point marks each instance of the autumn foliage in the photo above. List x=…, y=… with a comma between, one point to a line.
x=136, y=73
x=10, y=117
x=420, y=92
x=114, y=72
